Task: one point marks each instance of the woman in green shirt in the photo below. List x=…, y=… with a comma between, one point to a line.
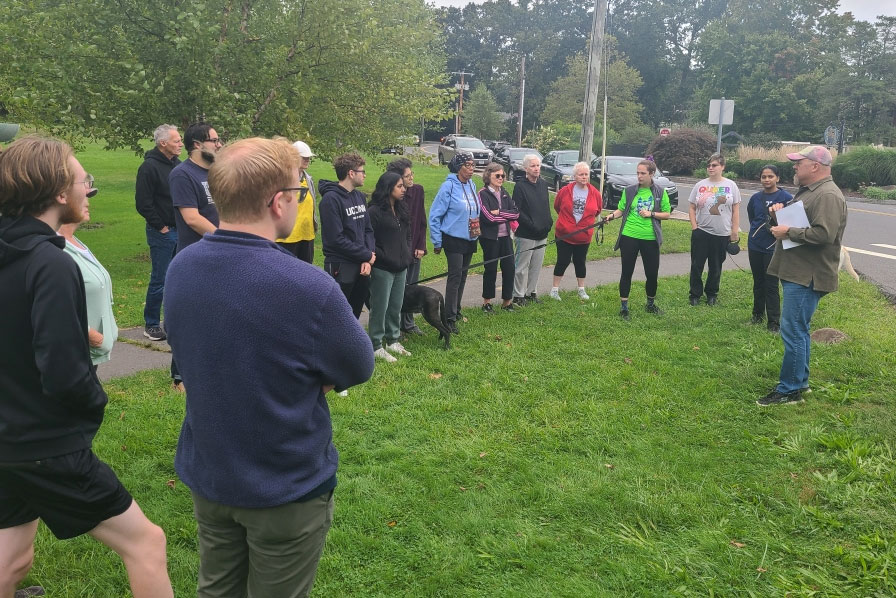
x=101, y=328
x=641, y=208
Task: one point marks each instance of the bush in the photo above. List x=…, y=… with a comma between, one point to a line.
x=753, y=168
x=735, y=166
x=545, y=139
x=700, y=173
x=878, y=193
x=730, y=174
x=872, y=166
x=680, y=152
x=786, y=168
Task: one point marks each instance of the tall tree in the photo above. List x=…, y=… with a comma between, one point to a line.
x=481, y=117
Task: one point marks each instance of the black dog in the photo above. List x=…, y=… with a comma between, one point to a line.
x=420, y=298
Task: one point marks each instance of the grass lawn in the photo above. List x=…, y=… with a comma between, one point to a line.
x=559, y=451
x=117, y=233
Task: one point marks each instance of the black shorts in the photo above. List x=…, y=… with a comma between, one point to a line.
x=71, y=493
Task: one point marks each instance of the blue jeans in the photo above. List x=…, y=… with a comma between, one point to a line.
x=161, y=250
x=799, y=304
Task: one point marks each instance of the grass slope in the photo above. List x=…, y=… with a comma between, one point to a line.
x=559, y=451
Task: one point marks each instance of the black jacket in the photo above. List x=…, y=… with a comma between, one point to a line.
x=393, y=239
x=535, y=209
x=51, y=402
x=345, y=230
x=153, y=196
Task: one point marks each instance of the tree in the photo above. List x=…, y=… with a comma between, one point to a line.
x=331, y=71
x=481, y=117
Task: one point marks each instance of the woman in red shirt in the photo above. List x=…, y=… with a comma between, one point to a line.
x=577, y=205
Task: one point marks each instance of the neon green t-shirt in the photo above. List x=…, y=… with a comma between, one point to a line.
x=636, y=226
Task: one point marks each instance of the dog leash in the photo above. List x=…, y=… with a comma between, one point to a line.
x=599, y=225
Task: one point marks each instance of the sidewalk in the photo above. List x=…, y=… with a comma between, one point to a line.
x=141, y=354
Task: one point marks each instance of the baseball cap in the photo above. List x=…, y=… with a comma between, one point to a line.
x=816, y=153
x=304, y=150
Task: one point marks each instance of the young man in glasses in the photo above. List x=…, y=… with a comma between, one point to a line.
x=51, y=402
x=300, y=241
x=256, y=446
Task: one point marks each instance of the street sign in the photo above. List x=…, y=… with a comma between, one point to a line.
x=466, y=86
x=723, y=108
x=665, y=131
x=831, y=135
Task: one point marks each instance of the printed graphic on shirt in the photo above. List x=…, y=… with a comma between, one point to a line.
x=645, y=202
x=355, y=212
x=208, y=193
x=713, y=196
x=578, y=203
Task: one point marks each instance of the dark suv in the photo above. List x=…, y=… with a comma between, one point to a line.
x=467, y=144
x=622, y=172
x=511, y=158
x=556, y=167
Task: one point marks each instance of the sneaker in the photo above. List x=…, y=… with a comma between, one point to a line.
x=343, y=393
x=519, y=301
x=509, y=307
x=774, y=327
x=533, y=298
x=385, y=356
x=653, y=308
x=29, y=591
x=805, y=390
x=757, y=319
x=555, y=294
x=413, y=330
x=624, y=314
x=583, y=295
x=780, y=398
x=487, y=308
x=695, y=301
x=398, y=349
x=711, y=300
x=154, y=333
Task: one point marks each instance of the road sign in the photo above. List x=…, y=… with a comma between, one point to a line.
x=727, y=111
x=466, y=86
x=831, y=135
x=665, y=131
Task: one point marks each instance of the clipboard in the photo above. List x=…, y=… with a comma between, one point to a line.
x=793, y=216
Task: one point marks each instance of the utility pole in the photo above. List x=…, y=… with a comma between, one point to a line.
x=591, y=87
x=461, y=87
x=519, y=124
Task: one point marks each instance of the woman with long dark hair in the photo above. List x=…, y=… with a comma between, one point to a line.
x=390, y=220
x=498, y=215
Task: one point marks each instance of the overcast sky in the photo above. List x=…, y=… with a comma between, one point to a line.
x=864, y=10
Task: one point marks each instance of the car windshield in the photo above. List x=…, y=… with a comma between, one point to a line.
x=522, y=152
x=470, y=143
x=623, y=165
x=570, y=158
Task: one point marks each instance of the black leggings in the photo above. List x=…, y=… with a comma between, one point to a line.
x=567, y=251
x=650, y=257
x=493, y=248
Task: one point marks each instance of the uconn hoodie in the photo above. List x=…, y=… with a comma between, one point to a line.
x=345, y=229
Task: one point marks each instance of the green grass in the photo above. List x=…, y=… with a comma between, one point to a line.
x=117, y=234
x=559, y=451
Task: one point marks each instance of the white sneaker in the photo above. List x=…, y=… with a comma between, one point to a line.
x=555, y=294
x=381, y=354
x=397, y=348
x=343, y=393
x=583, y=295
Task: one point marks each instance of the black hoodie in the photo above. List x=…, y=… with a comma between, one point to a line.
x=153, y=196
x=51, y=402
x=345, y=229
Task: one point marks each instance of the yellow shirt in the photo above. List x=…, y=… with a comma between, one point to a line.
x=303, y=230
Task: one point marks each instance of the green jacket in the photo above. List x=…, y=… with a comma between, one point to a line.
x=817, y=260
x=98, y=291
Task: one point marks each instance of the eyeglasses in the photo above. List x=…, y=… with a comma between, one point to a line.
x=303, y=193
x=87, y=182
x=216, y=141
x=500, y=175
x=361, y=171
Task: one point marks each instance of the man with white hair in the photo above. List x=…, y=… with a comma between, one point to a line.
x=808, y=271
x=531, y=196
x=300, y=241
x=153, y=198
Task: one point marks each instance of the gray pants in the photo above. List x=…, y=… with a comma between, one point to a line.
x=528, y=266
x=258, y=553
x=407, y=320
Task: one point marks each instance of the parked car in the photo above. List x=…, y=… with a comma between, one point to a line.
x=622, y=172
x=401, y=143
x=496, y=146
x=511, y=158
x=468, y=144
x=556, y=167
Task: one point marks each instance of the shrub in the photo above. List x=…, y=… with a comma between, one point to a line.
x=878, y=193
x=753, y=168
x=730, y=174
x=786, y=168
x=680, y=152
x=701, y=173
x=849, y=175
x=735, y=166
x=878, y=165
x=544, y=139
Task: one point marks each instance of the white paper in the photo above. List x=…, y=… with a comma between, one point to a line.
x=793, y=216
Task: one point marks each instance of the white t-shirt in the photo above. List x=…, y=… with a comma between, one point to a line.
x=715, y=205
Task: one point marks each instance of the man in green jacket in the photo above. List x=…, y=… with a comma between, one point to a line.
x=808, y=271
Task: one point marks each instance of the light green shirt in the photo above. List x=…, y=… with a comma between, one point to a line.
x=98, y=290
x=636, y=226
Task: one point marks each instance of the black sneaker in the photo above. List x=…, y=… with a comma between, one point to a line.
x=780, y=398
x=487, y=308
x=452, y=327
x=624, y=314
x=774, y=327
x=711, y=300
x=653, y=308
x=413, y=330
x=757, y=319
x=533, y=298
x=154, y=333
x=509, y=307
x=519, y=301
x=695, y=301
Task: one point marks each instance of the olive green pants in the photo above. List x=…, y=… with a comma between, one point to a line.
x=260, y=553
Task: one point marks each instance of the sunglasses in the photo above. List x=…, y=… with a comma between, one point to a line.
x=499, y=176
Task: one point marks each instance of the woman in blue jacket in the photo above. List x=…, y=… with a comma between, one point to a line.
x=454, y=227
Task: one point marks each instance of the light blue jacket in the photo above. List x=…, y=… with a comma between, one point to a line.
x=98, y=291
x=451, y=210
